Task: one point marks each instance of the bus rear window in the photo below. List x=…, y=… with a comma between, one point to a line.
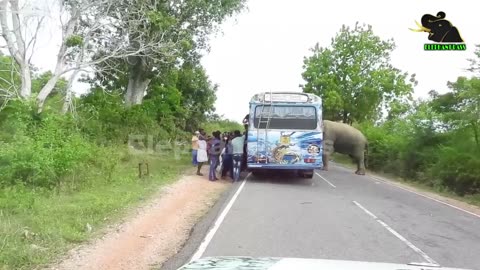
x=286, y=117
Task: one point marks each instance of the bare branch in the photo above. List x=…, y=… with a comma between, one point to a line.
x=16, y=38
x=33, y=40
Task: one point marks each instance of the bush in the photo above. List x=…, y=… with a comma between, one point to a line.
x=444, y=160
x=46, y=155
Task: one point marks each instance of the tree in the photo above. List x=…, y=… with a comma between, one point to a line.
x=475, y=62
x=10, y=81
x=20, y=42
x=198, y=92
x=354, y=77
x=86, y=27
x=465, y=112
x=161, y=32
x=460, y=108
x=80, y=21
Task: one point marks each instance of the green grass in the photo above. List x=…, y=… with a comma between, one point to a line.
x=36, y=227
x=471, y=199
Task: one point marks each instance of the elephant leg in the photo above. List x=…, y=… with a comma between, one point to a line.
x=328, y=149
x=359, y=157
x=325, y=162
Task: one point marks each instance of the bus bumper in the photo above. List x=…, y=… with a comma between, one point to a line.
x=282, y=167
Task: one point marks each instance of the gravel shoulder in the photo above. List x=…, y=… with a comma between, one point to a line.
x=153, y=232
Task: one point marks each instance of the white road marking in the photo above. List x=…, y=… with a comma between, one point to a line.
x=425, y=196
x=325, y=180
x=203, y=246
x=399, y=236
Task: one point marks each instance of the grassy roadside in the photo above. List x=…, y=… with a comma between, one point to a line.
x=470, y=199
x=36, y=227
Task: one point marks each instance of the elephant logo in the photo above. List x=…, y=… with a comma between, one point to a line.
x=313, y=149
x=438, y=29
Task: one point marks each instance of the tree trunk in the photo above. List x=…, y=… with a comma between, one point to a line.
x=345, y=116
x=46, y=90
x=68, y=101
x=475, y=133
x=26, y=90
x=68, y=30
x=67, y=104
x=137, y=84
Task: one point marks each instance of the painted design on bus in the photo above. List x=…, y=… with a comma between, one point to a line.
x=285, y=147
x=285, y=131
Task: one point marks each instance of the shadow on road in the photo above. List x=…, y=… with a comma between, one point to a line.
x=280, y=178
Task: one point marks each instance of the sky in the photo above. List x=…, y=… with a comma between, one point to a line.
x=263, y=48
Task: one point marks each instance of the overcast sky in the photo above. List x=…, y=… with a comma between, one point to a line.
x=264, y=49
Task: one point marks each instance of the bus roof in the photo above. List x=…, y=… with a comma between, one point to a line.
x=285, y=97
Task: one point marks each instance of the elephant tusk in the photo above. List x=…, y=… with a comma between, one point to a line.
x=422, y=28
x=416, y=30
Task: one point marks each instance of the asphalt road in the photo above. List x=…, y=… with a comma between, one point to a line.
x=335, y=215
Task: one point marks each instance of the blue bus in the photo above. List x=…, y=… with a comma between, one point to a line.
x=285, y=132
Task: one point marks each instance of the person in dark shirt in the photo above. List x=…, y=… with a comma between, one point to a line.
x=214, y=153
x=227, y=157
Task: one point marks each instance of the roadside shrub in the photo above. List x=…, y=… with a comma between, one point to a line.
x=444, y=160
x=46, y=155
x=457, y=168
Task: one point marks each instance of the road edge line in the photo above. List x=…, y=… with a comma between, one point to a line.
x=425, y=196
x=206, y=241
x=399, y=236
x=324, y=179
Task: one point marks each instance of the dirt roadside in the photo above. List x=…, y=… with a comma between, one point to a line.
x=154, y=232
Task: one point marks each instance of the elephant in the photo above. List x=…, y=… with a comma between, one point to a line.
x=439, y=29
x=344, y=139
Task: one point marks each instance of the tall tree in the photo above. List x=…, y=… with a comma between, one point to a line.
x=198, y=93
x=20, y=39
x=354, y=76
x=80, y=21
x=460, y=108
x=86, y=28
x=465, y=112
x=161, y=32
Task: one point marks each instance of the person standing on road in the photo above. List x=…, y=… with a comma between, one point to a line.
x=246, y=121
x=227, y=158
x=202, y=155
x=195, y=147
x=237, y=153
x=214, y=154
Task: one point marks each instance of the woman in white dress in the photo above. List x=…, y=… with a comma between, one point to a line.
x=202, y=156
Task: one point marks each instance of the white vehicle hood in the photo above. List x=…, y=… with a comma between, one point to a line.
x=267, y=263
